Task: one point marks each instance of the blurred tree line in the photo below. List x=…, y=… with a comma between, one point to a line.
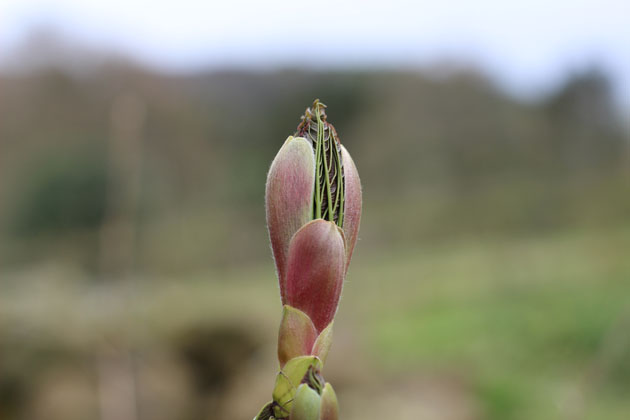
x=440, y=158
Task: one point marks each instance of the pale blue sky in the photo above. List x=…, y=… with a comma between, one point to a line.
x=526, y=45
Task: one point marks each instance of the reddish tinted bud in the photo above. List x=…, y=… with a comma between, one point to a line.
x=313, y=178
x=315, y=271
x=289, y=198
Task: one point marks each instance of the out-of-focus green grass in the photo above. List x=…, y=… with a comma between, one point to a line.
x=539, y=327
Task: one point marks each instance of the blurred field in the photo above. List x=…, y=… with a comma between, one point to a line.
x=501, y=329
x=491, y=279
x=536, y=328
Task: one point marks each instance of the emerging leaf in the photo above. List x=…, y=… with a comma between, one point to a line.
x=328, y=200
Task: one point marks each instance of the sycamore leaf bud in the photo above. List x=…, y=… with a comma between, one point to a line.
x=312, y=177
x=313, y=208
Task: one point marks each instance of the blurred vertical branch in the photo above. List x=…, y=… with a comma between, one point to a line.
x=118, y=236
x=115, y=365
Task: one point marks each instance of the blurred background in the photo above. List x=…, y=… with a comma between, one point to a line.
x=491, y=279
